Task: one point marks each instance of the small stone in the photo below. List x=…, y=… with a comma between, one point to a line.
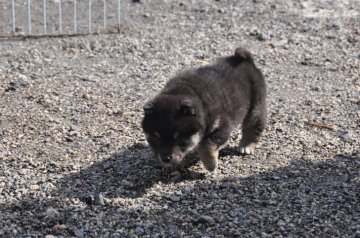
x=225, y=184
x=57, y=227
x=281, y=223
x=175, y=198
x=52, y=214
x=263, y=234
x=100, y=200
x=69, y=139
x=18, y=32
x=34, y=187
x=139, y=231
x=242, y=210
x=280, y=43
x=187, y=189
x=206, y=219
x=73, y=128
x=261, y=37
x=307, y=57
x=22, y=80
x=72, y=133
x=79, y=233
x=89, y=200
x=141, y=145
x=315, y=88
x=346, y=135
x=85, y=46
x=87, y=96
x=19, y=29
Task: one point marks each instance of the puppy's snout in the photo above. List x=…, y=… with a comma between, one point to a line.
x=166, y=158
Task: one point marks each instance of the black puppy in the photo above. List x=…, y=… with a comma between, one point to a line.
x=198, y=109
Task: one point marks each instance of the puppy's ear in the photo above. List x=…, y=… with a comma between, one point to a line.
x=148, y=108
x=187, y=108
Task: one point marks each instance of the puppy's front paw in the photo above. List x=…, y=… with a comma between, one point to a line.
x=247, y=150
x=208, y=154
x=210, y=164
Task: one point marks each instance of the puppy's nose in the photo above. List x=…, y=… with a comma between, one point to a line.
x=166, y=158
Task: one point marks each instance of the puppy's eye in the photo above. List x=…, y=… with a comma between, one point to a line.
x=155, y=137
x=181, y=142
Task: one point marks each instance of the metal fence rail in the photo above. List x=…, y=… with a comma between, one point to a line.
x=60, y=17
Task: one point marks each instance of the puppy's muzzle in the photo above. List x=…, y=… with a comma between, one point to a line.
x=166, y=158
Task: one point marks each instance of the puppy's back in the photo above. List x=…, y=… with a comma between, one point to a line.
x=225, y=88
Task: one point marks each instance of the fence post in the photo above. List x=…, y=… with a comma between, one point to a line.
x=44, y=11
x=119, y=14
x=60, y=17
x=89, y=16
x=75, y=17
x=13, y=15
x=29, y=16
x=104, y=14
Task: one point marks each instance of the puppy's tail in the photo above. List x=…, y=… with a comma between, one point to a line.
x=244, y=54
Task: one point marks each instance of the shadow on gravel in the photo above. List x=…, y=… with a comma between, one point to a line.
x=316, y=199
x=128, y=173
x=302, y=199
x=229, y=151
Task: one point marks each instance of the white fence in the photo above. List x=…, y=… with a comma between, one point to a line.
x=60, y=17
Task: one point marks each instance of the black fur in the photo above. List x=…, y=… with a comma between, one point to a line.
x=212, y=101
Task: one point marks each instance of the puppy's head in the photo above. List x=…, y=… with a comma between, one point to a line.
x=173, y=127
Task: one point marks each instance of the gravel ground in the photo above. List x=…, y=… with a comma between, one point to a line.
x=74, y=162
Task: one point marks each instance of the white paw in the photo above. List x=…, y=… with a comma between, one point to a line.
x=214, y=176
x=247, y=150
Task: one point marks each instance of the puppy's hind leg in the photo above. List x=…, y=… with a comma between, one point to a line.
x=252, y=128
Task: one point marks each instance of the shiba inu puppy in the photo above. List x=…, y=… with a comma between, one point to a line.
x=198, y=109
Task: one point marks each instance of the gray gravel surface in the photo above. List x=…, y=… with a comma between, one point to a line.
x=74, y=162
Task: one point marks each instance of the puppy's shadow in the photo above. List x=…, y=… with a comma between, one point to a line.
x=129, y=173
x=229, y=151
